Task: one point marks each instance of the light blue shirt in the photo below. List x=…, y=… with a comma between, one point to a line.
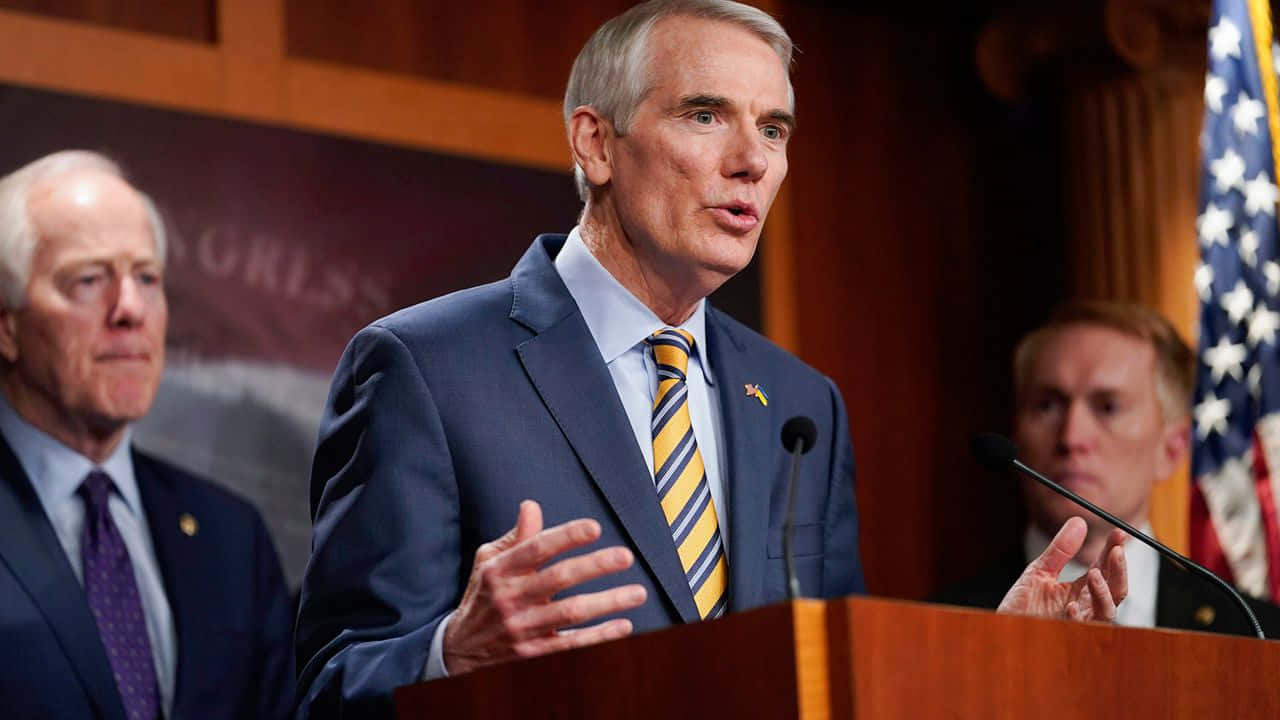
x=619, y=323
x=56, y=471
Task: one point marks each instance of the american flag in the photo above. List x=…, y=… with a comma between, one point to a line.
x=1236, y=413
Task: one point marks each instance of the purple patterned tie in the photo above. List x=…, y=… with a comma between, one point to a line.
x=113, y=598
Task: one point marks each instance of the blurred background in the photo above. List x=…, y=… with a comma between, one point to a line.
x=957, y=172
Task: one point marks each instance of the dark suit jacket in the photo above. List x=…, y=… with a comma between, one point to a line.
x=1183, y=601
x=224, y=585
x=444, y=416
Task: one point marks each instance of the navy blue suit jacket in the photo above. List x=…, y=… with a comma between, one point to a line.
x=444, y=416
x=225, y=589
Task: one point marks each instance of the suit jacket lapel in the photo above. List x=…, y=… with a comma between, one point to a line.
x=29, y=546
x=576, y=387
x=174, y=553
x=751, y=448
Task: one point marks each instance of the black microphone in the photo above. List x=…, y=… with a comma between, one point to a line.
x=798, y=435
x=997, y=453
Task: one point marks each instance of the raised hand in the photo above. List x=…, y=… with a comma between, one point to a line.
x=507, y=610
x=1092, y=596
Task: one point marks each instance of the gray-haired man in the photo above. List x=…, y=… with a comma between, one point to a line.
x=128, y=588
x=594, y=391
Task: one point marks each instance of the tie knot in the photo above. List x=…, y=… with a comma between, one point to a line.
x=96, y=489
x=671, y=347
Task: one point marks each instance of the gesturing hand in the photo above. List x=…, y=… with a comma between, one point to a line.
x=507, y=610
x=1093, y=596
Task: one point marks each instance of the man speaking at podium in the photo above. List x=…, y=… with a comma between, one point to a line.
x=593, y=399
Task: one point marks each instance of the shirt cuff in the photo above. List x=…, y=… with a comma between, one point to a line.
x=435, y=657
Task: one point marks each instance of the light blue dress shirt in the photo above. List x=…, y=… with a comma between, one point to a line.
x=619, y=324
x=56, y=471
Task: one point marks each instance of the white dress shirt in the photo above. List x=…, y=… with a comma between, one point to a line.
x=619, y=323
x=56, y=471
x=1142, y=564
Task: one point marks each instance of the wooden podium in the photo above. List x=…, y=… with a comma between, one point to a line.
x=871, y=658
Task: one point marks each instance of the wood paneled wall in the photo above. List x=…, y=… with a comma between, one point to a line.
x=520, y=47
x=195, y=20
x=907, y=287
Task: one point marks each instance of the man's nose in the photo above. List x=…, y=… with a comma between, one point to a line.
x=130, y=306
x=1077, y=429
x=746, y=158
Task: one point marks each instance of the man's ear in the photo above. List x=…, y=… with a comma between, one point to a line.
x=8, y=333
x=1174, y=445
x=589, y=133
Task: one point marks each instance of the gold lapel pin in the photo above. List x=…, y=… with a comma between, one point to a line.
x=187, y=524
x=1205, y=615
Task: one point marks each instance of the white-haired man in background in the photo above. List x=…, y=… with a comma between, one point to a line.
x=128, y=588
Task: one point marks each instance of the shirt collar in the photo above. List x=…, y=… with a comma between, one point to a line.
x=56, y=471
x=616, y=318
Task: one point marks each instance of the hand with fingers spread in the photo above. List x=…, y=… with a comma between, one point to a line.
x=508, y=611
x=1092, y=596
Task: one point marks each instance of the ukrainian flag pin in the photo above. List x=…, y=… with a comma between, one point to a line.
x=757, y=392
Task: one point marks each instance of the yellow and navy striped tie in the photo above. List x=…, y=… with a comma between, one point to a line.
x=681, y=479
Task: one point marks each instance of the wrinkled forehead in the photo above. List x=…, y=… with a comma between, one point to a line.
x=1082, y=358
x=690, y=54
x=90, y=212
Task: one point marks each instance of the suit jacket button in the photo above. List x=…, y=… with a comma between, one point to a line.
x=1205, y=615
x=187, y=524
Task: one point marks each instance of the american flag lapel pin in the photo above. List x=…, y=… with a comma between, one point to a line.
x=757, y=392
